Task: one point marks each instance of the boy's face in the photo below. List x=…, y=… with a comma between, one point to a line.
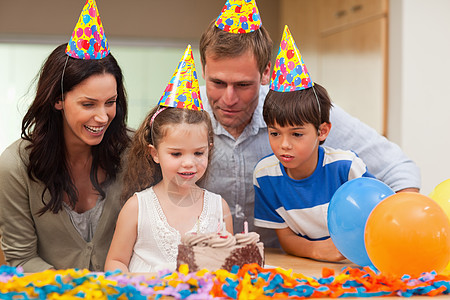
x=296, y=147
x=232, y=87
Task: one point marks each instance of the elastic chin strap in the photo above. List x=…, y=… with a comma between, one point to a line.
x=62, y=78
x=317, y=139
x=318, y=105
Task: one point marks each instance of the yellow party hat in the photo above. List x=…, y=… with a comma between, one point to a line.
x=290, y=72
x=239, y=16
x=88, y=40
x=182, y=90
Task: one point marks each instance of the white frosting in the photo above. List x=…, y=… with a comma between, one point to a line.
x=219, y=240
x=247, y=238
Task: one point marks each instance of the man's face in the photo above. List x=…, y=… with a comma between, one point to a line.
x=232, y=87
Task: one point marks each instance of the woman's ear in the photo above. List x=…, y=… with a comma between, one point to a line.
x=59, y=105
x=153, y=153
x=324, y=130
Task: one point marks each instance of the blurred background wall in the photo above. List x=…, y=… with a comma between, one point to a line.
x=385, y=62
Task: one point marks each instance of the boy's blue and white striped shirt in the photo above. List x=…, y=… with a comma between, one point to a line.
x=302, y=205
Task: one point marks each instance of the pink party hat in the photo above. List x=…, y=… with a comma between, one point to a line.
x=182, y=90
x=290, y=72
x=239, y=16
x=88, y=40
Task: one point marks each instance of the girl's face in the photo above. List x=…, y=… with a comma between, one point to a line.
x=296, y=147
x=88, y=109
x=183, y=153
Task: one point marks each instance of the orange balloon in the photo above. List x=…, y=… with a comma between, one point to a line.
x=408, y=233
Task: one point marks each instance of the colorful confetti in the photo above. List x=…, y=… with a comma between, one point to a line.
x=248, y=282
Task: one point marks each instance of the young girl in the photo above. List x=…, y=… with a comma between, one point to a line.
x=170, y=153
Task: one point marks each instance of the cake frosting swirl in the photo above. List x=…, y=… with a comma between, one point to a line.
x=220, y=250
x=214, y=240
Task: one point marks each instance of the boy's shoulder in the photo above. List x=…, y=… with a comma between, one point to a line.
x=268, y=165
x=332, y=154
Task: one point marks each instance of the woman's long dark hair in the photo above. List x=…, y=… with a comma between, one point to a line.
x=42, y=125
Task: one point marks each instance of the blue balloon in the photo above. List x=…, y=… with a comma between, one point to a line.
x=289, y=77
x=181, y=98
x=297, y=81
x=348, y=212
x=86, y=18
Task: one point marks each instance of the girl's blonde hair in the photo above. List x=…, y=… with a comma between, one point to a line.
x=141, y=171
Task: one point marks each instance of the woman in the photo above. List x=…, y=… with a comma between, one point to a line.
x=60, y=183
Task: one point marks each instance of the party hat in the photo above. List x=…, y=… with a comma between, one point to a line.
x=182, y=90
x=239, y=16
x=88, y=40
x=290, y=72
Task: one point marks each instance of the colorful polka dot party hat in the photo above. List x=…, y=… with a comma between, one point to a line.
x=239, y=16
x=182, y=90
x=88, y=40
x=290, y=72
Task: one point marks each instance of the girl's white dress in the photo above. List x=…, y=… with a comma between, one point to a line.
x=156, y=246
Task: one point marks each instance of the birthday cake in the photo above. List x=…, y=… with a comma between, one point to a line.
x=221, y=250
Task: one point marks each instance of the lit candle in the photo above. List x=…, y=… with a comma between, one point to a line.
x=224, y=227
x=245, y=227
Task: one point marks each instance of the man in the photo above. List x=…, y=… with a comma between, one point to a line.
x=236, y=68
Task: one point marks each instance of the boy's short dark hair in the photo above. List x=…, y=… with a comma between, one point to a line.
x=297, y=108
x=222, y=44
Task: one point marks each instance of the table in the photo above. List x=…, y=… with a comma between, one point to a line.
x=278, y=258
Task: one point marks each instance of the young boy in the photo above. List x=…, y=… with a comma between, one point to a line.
x=294, y=185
